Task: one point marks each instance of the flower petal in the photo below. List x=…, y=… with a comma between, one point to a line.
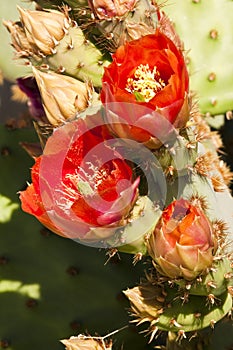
x=168, y=268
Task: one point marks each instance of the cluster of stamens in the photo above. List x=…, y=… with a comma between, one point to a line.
x=145, y=82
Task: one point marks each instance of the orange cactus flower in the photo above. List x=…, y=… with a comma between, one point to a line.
x=145, y=89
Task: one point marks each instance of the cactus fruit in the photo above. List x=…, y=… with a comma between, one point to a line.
x=126, y=21
x=206, y=30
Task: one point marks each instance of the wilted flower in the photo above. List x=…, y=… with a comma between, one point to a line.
x=29, y=86
x=183, y=243
x=145, y=89
x=105, y=9
x=62, y=95
x=80, y=183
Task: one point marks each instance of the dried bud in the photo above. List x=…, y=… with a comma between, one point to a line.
x=18, y=37
x=104, y=9
x=44, y=29
x=62, y=96
x=82, y=342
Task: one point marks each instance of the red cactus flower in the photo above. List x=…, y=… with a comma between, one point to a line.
x=145, y=89
x=183, y=243
x=80, y=183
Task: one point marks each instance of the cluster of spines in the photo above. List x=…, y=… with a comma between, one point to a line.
x=207, y=165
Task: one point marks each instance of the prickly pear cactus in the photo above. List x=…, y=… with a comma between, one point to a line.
x=50, y=287
x=206, y=29
x=174, y=192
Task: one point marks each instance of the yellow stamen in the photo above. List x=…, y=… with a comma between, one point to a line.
x=147, y=83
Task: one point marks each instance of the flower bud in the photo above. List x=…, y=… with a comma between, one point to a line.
x=62, y=95
x=183, y=243
x=44, y=29
x=107, y=8
x=18, y=37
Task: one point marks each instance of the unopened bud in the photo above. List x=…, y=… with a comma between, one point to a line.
x=62, y=96
x=44, y=29
x=18, y=37
x=107, y=8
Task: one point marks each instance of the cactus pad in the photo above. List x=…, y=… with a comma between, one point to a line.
x=206, y=30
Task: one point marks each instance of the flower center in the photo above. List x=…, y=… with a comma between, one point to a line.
x=86, y=182
x=145, y=84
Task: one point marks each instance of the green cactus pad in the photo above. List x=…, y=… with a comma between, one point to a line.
x=168, y=310
x=215, y=282
x=83, y=61
x=77, y=3
x=206, y=28
x=48, y=3
x=208, y=339
x=140, y=227
x=7, y=208
x=52, y=3
x=184, y=316
x=178, y=155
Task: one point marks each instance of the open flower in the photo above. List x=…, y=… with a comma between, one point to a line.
x=145, y=89
x=80, y=183
x=183, y=244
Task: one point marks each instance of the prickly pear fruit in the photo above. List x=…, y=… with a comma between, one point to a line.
x=128, y=21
